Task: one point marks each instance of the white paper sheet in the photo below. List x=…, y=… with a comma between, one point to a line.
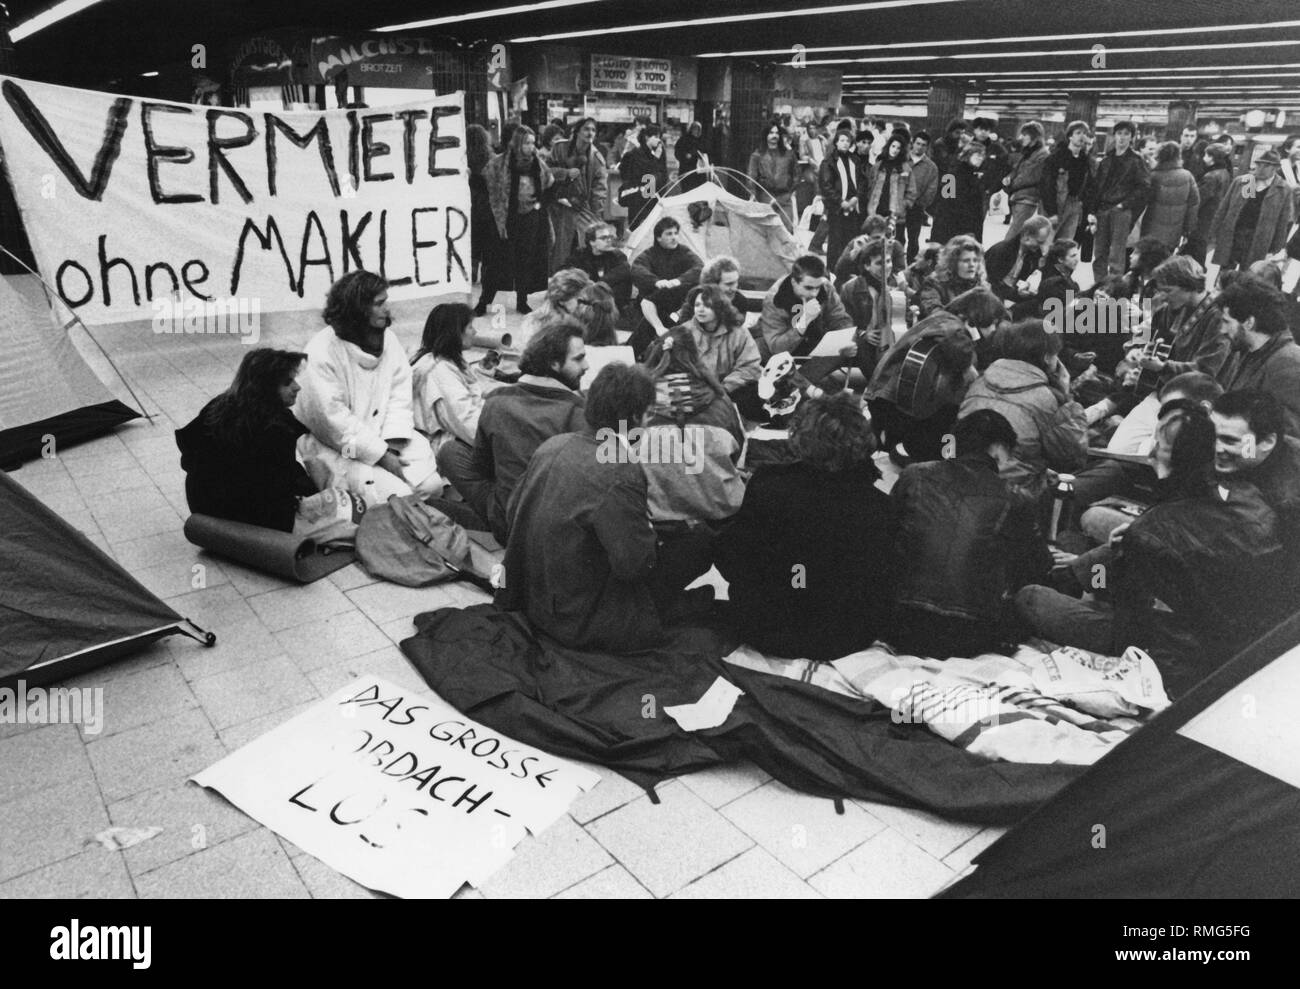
x=710, y=710
x=833, y=342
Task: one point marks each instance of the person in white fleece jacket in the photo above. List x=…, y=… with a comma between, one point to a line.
x=356, y=400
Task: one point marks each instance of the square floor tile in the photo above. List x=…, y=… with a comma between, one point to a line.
x=95, y=874
x=251, y=691
x=40, y=757
x=613, y=883
x=803, y=832
x=388, y=662
x=154, y=755
x=331, y=640
x=887, y=866
x=323, y=883
x=252, y=866
x=752, y=875
x=612, y=792
x=669, y=844
x=136, y=698
x=935, y=834
x=192, y=817
x=292, y=606
x=719, y=785
x=543, y=865
x=47, y=826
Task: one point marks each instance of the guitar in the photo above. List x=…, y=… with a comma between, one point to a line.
x=1147, y=381
x=882, y=321
x=918, y=375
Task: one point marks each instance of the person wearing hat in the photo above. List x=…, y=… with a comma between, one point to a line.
x=1253, y=219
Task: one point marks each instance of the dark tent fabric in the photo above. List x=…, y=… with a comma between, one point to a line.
x=610, y=710
x=46, y=389
x=65, y=606
x=1181, y=819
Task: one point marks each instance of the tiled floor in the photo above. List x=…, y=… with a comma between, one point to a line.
x=177, y=708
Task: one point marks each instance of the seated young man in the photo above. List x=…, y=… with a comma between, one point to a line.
x=356, y=400
x=800, y=309
x=850, y=261
x=808, y=554
x=516, y=420
x=931, y=406
x=663, y=273
x=968, y=540
x=866, y=298
x=1251, y=447
x=1193, y=578
x=582, y=562
x=724, y=272
x=1264, y=352
x=603, y=262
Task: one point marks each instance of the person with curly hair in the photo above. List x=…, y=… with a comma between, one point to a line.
x=960, y=269
x=356, y=400
x=517, y=181
x=808, y=556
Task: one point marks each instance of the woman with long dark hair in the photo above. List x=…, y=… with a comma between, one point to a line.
x=238, y=453
x=516, y=182
x=775, y=168
x=889, y=188
x=489, y=265
x=448, y=397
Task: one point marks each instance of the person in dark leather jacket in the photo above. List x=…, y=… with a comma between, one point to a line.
x=968, y=538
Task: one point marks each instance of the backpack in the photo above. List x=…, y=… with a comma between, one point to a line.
x=411, y=543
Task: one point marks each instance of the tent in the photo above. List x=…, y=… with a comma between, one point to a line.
x=1202, y=803
x=46, y=389
x=749, y=231
x=65, y=606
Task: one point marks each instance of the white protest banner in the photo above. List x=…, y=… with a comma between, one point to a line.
x=130, y=202
x=398, y=790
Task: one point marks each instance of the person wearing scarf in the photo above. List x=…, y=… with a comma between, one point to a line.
x=1254, y=217
x=842, y=180
x=580, y=192
x=516, y=181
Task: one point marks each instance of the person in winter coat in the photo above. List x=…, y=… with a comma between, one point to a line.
x=867, y=299
x=1216, y=176
x=489, y=257
x=516, y=420
x=238, y=453
x=1023, y=181
x=1191, y=577
x=800, y=309
x=448, y=396
x=1067, y=180
x=888, y=194
x=689, y=152
x=1029, y=385
x=997, y=161
x=808, y=556
x=921, y=422
x=1254, y=217
x=922, y=190
x=775, y=168
x=959, y=207
x=1264, y=353
x=603, y=262
x=584, y=565
x=960, y=269
x=644, y=171
x=1173, y=202
x=843, y=182
x=693, y=437
x=1119, y=195
x=581, y=191
x=1010, y=263
x=517, y=181
x=356, y=400
x=720, y=339
x=968, y=539
x=663, y=273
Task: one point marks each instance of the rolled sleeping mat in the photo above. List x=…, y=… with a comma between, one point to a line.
x=492, y=339
x=268, y=550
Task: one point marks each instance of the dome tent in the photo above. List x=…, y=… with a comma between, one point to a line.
x=716, y=222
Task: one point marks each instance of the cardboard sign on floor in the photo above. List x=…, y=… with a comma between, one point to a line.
x=397, y=790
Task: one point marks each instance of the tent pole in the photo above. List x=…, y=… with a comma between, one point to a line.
x=77, y=319
x=199, y=635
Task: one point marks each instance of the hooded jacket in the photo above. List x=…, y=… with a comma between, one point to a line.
x=1051, y=430
x=732, y=354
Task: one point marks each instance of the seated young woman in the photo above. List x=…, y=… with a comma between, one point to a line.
x=808, y=556
x=238, y=454
x=448, y=397
x=693, y=438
